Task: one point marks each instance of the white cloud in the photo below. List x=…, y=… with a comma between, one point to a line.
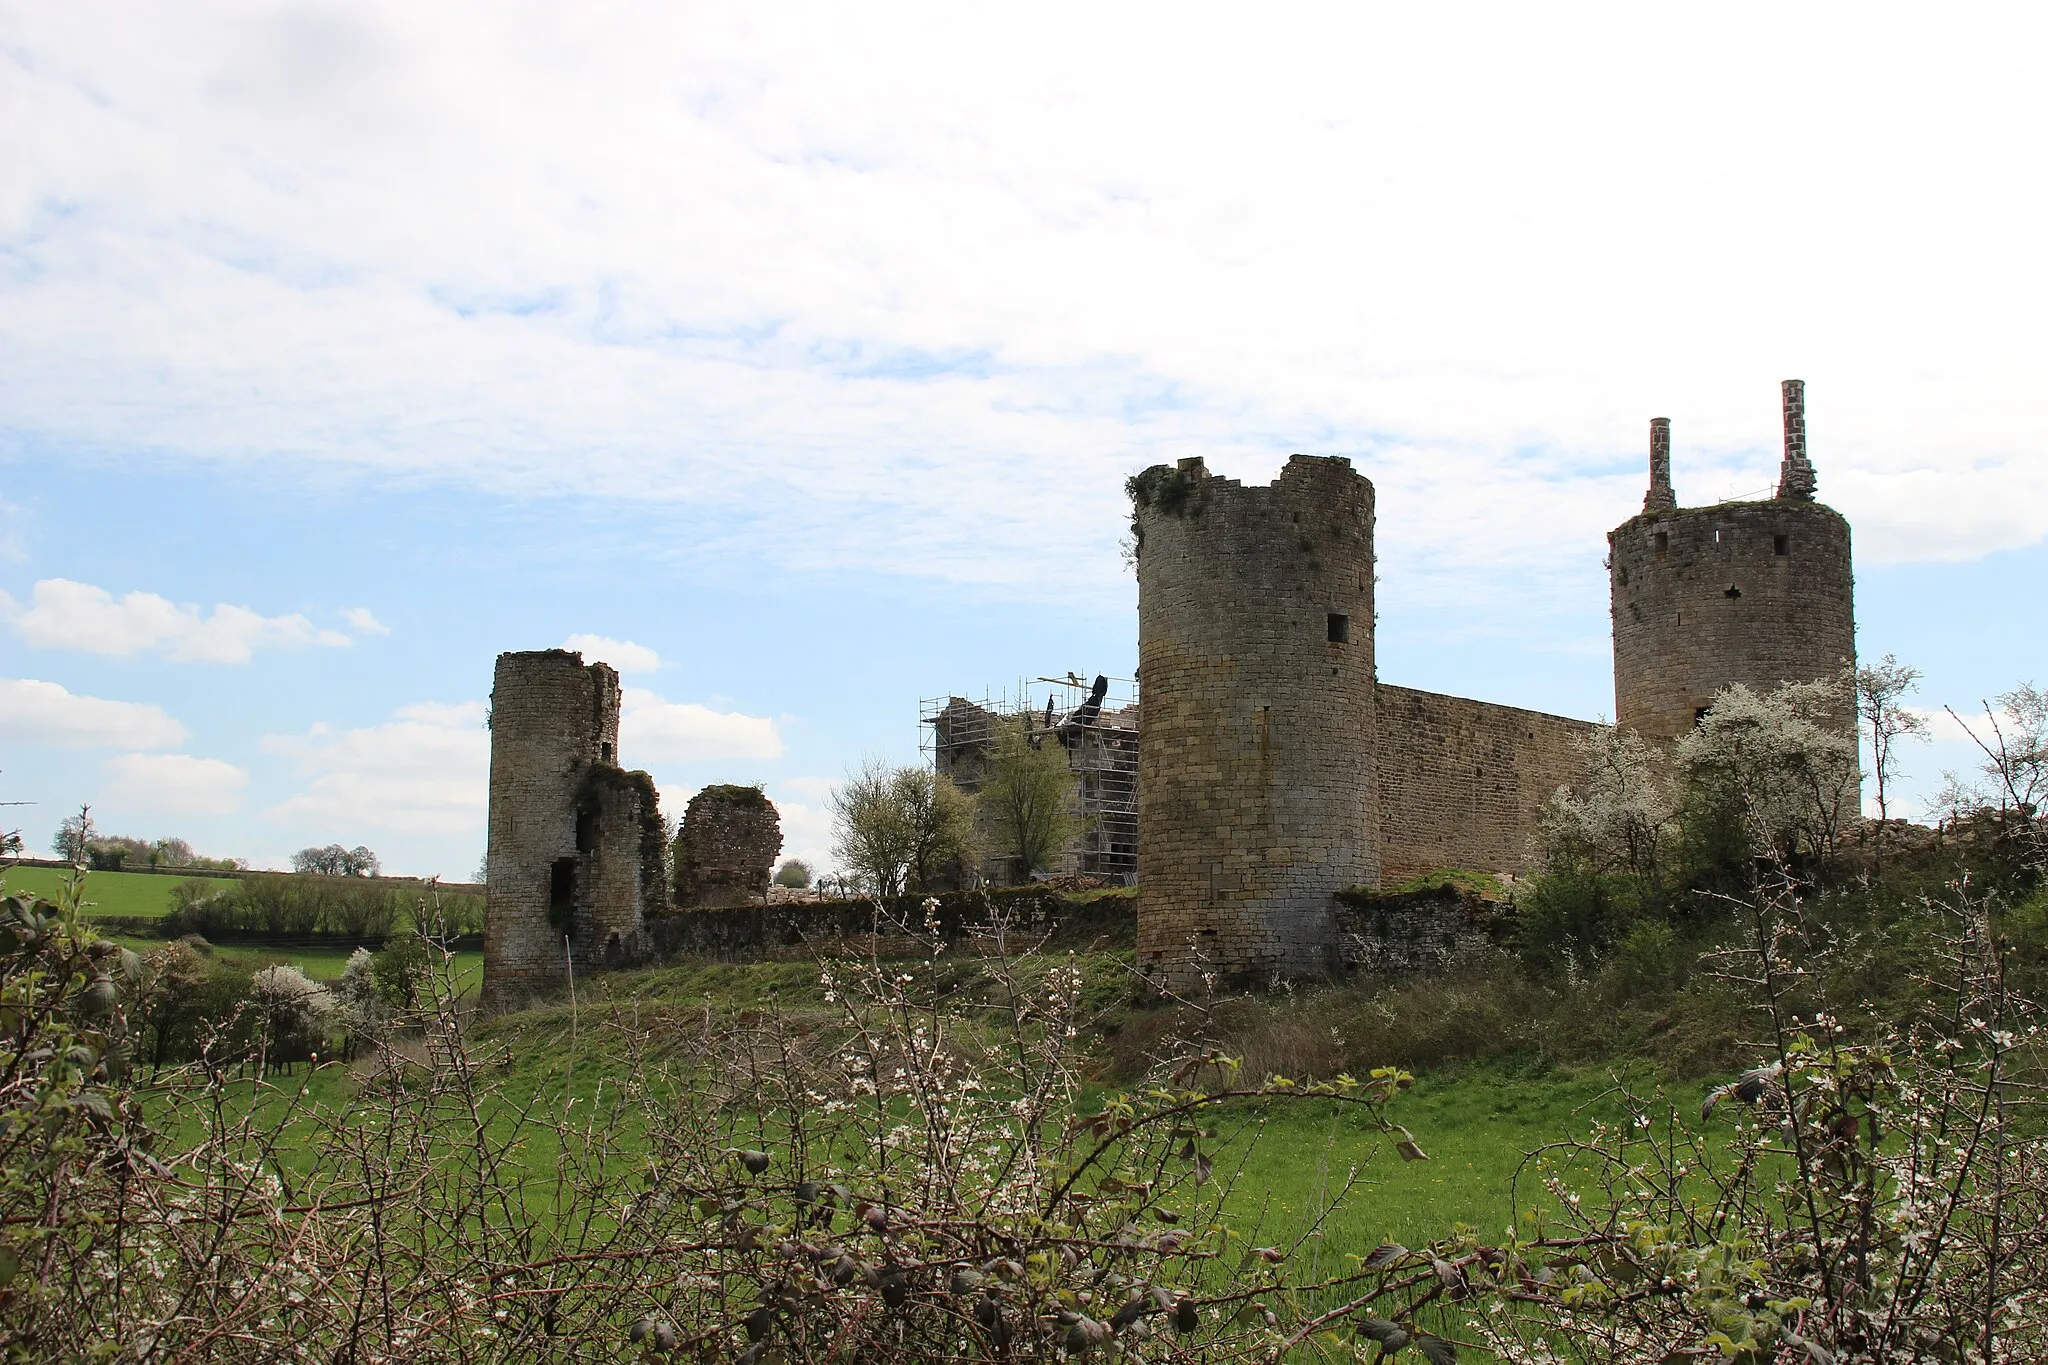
x=172, y=784
x=425, y=771
x=806, y=820
x=365, y=621
x=859, y=277
x=63, y=614
x=652, y=730
x=624, y=655
x=33, y=712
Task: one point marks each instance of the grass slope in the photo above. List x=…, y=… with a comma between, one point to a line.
x=141, y=894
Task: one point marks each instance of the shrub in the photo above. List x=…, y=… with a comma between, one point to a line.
x=926, y=1177
x=359, y=1010
x=1882, y=1197
x=400, y=969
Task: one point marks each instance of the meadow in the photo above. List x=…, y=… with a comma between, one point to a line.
x=869, y=1158
x=143, y=895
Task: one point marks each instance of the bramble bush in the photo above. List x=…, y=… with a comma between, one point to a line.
x=921, y=1175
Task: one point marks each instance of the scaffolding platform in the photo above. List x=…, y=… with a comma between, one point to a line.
x=1094, y=719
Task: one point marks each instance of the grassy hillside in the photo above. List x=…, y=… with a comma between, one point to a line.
x=109, y=893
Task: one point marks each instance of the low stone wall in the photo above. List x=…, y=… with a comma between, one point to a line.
x=1416, y=932
x=895, y=929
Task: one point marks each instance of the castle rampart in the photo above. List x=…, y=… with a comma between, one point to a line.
x=1257, y=788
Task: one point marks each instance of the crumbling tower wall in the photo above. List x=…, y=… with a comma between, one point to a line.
x=1257, y=784
x=1759, y=593
x=575, y=842
x=725, y=851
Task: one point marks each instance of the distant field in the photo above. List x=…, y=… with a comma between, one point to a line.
x=106, y=893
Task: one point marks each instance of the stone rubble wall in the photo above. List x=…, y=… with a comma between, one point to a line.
x=726, y=850
x=1419, y=933
x=965, y=920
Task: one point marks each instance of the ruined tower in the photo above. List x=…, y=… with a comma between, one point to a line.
x=575, y=855
x=1257, y=785
x=725, y=850
x=1758, y=593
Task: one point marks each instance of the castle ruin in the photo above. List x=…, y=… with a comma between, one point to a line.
x=574, y=863
x=1752, y=592
x=725, y=851
x=1275, y=769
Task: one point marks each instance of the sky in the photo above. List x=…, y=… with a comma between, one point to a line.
x=792, y=359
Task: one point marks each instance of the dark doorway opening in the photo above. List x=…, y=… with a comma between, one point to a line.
x=562, y=895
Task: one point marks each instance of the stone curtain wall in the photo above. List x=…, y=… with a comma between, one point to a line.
x=1758, y=593
x=725, y=853
x=563, y=819
x=1257, y=793
x=1462, y=782
x=900, y=928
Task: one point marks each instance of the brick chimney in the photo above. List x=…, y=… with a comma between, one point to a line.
x=1660, y=498
x=1796, y=480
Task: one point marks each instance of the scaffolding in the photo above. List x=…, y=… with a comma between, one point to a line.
x=1096, y=722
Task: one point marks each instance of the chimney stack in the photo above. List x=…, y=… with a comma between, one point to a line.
x=1796, y=479
x=1660, y=498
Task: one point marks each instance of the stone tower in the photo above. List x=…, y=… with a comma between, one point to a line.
x=575, y=841
x=1257, y=786
x=1758, y=593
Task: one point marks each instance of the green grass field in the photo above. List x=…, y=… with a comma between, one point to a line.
x=321, y=964
x=141, y=894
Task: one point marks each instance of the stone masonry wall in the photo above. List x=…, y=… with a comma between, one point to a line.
x=1462, y=782
x=725, y=853
x=1257, y=791
x=1758, y=593
x=567, y=849
x=620, y=874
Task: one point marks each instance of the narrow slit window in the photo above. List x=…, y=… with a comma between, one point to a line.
x=1781, y=545
x=1340, y=628
x=604, y=752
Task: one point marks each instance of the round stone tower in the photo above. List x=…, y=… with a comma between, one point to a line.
x=554, y=723
x=1759, y=593
x=1257, y=785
